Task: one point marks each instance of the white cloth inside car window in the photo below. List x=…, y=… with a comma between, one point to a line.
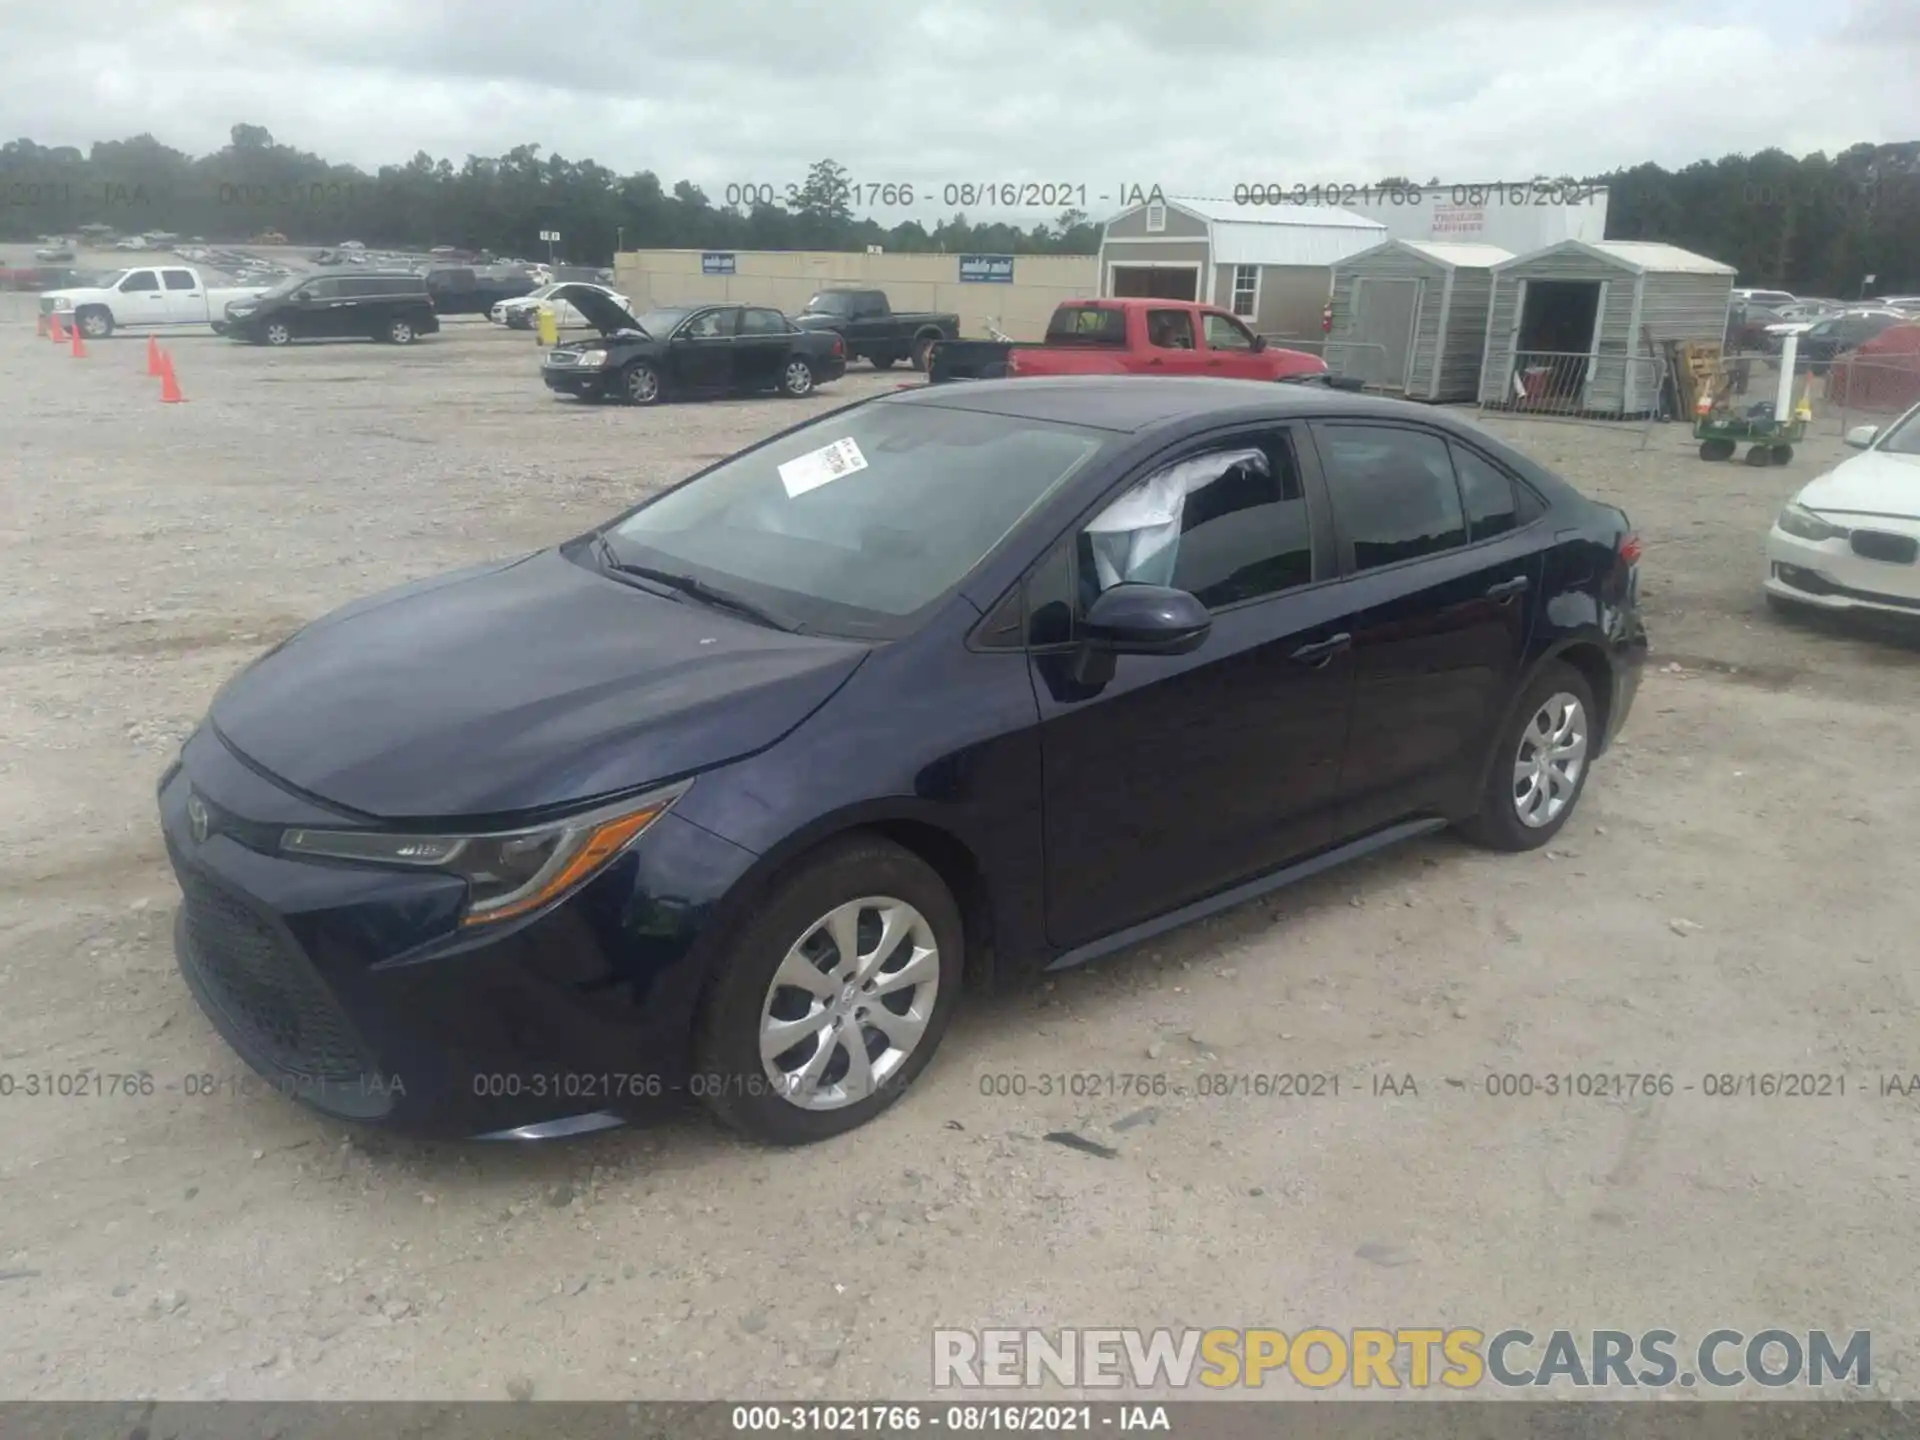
x=1136, y=539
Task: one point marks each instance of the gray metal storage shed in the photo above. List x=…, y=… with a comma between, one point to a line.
x=1571, y=326
x=1411, y=316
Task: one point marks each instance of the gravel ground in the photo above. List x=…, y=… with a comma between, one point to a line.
x=1734, y=895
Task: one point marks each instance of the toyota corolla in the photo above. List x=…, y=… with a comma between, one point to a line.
x=731, y=796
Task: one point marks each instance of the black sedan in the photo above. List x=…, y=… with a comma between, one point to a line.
x=687, y=350
x=729, y=796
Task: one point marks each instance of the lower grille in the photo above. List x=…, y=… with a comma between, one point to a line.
x=1879, y=545
x=281, y=1015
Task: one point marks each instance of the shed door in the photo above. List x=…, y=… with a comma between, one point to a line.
x=1384, y=312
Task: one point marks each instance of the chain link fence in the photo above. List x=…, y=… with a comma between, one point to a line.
x=1627, y=393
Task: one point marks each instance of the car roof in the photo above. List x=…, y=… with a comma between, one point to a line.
x=1135, y=302
x=1134, y=403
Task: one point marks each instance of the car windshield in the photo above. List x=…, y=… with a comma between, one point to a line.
x=658, y=323
x=830, y=302
x=286, y=287
x=1904, y=437
x=858, y=523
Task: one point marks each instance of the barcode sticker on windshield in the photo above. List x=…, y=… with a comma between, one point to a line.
x=817, y=467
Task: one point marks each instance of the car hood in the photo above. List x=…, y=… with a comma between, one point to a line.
x=518, y=686
x=1875, y=483
x=599, y=310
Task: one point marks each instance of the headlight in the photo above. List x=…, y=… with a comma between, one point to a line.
x=63, y=302
x=508, y=873
x=592, y=357
x=1802, y=522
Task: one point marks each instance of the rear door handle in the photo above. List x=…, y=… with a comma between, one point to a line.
x=1156, y=361
x=1507, y=589
x=1321, y=651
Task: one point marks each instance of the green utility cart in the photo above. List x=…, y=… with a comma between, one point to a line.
x=1769, y=441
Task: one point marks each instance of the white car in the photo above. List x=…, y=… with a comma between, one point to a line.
x=1850, y=540
x=521, y=312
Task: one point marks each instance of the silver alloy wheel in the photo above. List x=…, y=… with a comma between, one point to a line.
x=96, y=326
x=400, y=332
x=643, y=384
x=1552, y=754
x=799, y=377
x=849, y=1003
x=279, y=333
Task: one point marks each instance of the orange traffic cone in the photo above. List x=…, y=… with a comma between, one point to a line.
x=169, y=387
x=153, y=357
x=79, y=345
x=54, y=331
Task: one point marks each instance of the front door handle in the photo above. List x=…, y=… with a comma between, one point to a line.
x=1156, y=361
x=1507, y=589
x=1321, y=651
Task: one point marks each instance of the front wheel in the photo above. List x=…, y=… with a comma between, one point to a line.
x=640, y=384
x=96, y=324
x=834, y=997
x=1539, y=765
x=278, y=332
x=797, y=378
x=1716, y=449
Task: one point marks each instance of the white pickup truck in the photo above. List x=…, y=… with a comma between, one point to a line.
x=153, y=297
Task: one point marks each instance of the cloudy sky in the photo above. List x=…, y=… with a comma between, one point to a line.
x=1191, y=94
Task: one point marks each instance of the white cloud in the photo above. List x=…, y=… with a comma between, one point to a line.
x=1193, y=95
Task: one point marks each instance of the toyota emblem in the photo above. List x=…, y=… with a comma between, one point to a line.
x=197, y=819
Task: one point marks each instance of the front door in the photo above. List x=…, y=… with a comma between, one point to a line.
x=141, y=300
x=700, y=354
x=1179, y=775
x=1229, y=348
x=1445, y=564
x=321, y=310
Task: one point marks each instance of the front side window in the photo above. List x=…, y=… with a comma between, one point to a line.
x=1226, y=334
x=854, y=524
x=1394, y=495
x=139, y=281
x=1226, y=526
x=1170, y=329
x=710, y=325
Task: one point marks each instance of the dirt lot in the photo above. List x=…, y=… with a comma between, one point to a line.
x=1735, y=895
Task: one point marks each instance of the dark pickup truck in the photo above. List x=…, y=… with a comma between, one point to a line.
x=463, y=290
x=873, y=329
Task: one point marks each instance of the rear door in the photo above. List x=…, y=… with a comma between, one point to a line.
x=1171, y=344
x=186, y=298
x=1444, y=552
x=700, y=355
x=1180, y=775
x=1228, y=348
x=760, y=348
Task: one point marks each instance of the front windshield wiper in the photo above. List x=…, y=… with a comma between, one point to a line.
x=690, y=585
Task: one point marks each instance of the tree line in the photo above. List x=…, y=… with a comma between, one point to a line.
x=1814, y=224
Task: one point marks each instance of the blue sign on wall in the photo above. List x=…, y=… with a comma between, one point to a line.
x=994, y=269
x=716, y=262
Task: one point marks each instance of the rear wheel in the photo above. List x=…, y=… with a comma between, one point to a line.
x=920, y=348
x=400, y=332
x=1540, y=762
x=834, y=998
x=1782, y=454
x=797, y=378
x=1759, y=455
x=1716, y=449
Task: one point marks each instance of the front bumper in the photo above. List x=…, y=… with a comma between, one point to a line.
x=1830, y=575
x=351, y=988
x=583, y=380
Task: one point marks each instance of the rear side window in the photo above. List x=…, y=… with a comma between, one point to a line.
x=1087, y=325
x=762, y=322
x=178, y=279
x=1495, y=501
x=1394, y=495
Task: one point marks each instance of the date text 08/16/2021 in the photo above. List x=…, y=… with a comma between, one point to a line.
x=961, y=194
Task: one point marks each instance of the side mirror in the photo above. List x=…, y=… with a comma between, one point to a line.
x=1146, y=620
x=1861, y=436
x=1259, y=342
x=303, y=294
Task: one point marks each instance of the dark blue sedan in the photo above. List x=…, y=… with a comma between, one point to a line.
x=733, y=796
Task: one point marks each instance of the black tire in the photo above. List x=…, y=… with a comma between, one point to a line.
x=641, y=384
x=1497, y=824
x=1782, y=455
x=94, y=322
x=797, y=378
x=1758, y=455
x=882, y=362
x=399, y=331
x=919, y=352
x=1716, y=449
x=729, y=1074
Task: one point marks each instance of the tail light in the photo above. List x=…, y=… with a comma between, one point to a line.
x=1630, y=549
x=839, y=348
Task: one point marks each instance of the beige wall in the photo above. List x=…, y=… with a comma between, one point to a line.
x=786, y=278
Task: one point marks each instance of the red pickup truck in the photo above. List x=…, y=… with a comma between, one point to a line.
x=1128, y=336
